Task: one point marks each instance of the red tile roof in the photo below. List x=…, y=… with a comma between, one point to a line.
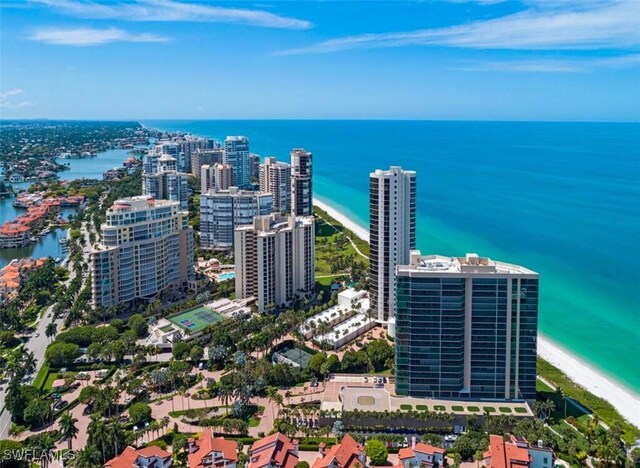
x=405, y=453
x=426, y=448
x=505, y=455
x=207, y=444
x=128, y=458
x=344, y=454
x=276, y=449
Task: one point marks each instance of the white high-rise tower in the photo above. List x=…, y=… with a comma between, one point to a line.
x=392, y=235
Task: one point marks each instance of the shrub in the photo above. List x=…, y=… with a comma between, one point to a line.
x=158, y=443
x=139, y=412
x=377, y=452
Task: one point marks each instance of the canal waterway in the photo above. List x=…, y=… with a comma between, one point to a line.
x=49, y=245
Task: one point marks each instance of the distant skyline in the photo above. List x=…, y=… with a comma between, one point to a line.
x=572, y=60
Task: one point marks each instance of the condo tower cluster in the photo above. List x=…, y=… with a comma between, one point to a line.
x=464, y=327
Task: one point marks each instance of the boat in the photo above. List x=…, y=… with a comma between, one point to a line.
x=57, y=260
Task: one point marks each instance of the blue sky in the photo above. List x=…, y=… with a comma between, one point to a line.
x=455, y=59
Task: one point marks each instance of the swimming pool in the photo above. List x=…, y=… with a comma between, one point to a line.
x=226, y=276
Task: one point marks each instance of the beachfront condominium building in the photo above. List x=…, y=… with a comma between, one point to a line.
x=188, y=145
x=223, y=176
x=466, y=328
x=182, y=148
x=204, y=157
x=275, y=178
x=392, y=235
x=275, y=260
x=301, y=182
x=167, y=183
x=221, y=211
x=236, y=154
x=254, y=166
x=216, y=177
x=147, y=247
x=150, y=162
x=207, y=178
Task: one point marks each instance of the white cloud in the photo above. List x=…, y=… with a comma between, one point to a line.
x=7, y=103
x=612, y=25
x=171, y=10
x=91, y=36
x=545, y=65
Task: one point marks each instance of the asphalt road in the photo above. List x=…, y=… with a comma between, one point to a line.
x=37, y=345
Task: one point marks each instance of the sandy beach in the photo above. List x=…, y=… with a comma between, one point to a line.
x=626, y=402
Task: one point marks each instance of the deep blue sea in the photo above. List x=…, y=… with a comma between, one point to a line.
x=560, y=198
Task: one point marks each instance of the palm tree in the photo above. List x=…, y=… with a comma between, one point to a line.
x=87, y=458
x=51, y=330
x=46, y=445
x=99, y=435
x=29, y=362
x=68, y=427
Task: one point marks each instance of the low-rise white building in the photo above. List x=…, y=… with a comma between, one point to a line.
x=348, y=330
x=349, y=302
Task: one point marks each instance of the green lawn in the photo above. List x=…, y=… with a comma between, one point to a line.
x=332, y=244
x=505, y=409
x=457, y=408
x=605, y=411
x=41, y=376
x=49, y=382
x=422, y=407
x=439, y=408
x=473, y=409
x=520, y=410
x=406, y=407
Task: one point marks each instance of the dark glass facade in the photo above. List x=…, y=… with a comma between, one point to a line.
x=494, y=319
x=430, y=337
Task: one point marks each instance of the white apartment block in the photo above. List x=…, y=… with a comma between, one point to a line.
x=167, y=183
x=147, y=246
x=236, y=154
x=202, y=157
x=275, y=260
x=216, y=177
x=392, y=233
x=275, y=178
x=221, y=211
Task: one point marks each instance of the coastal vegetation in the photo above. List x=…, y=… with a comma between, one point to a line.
x=566, y=388
x=340, y=254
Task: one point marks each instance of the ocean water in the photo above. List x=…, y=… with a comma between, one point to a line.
x=560, y=198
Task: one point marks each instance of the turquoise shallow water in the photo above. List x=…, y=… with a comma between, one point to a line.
x=559, y=198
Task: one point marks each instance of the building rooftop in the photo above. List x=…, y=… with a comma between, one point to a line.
x=391, y=171
x=139, y=202
x=469, y=264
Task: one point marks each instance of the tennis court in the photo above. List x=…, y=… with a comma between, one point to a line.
x=294, y=357
x=196, y=319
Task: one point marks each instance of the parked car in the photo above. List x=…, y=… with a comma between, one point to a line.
x=60, y=404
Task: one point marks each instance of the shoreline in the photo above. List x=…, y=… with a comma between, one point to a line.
x=622, y=399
